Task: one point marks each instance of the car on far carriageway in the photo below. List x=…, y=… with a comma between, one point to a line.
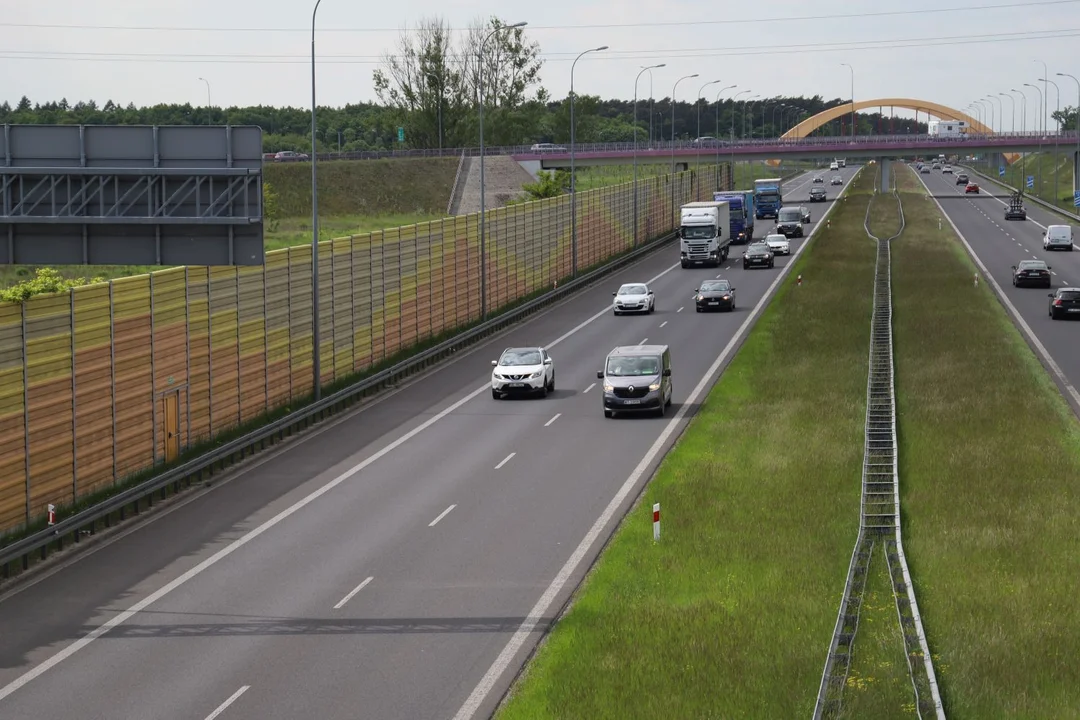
x=924, y=170
x=714, y=295
x=817, y=194
x=947, y=170
x=633, y=297
x=522, y=370
x=971, y=188
x=1031, y=272
x=758, y=255
x=1065, y=303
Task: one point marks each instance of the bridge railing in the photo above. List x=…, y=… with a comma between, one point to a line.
x=718, y=147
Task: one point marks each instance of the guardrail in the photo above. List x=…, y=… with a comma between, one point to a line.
x=1032, y=198
x=86, y=521
x=837, y=141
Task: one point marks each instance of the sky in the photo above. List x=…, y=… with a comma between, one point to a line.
x=254, y=52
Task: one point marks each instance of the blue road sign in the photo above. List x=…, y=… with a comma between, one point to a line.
x=401, y=134
x=1076, y=199
x=1030, y=181
x=1001, y=172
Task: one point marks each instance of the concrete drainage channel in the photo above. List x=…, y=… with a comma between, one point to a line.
x=879, y=515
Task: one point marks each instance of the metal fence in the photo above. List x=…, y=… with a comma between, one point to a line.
x=111, y=379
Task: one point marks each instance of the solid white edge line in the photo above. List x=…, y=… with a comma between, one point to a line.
x=505, y=658
x=443, y=514
x=557, y=416
x=1003, y=298
x=122, y=617
x=225, y=705
x=352, y=594
x=510, y=457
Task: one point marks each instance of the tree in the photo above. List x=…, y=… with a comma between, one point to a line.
x=1066, y=117
x=548, y=185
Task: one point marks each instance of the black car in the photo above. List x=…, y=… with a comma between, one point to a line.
x=818, y=180
x=962, y=179
x=758, y=255
x=817, y=194
x=714, y=295
x=1015, y=209
x=1065, y=302
x=789, y=222
x=1031, y=272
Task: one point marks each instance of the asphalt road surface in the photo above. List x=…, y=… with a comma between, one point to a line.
x=1000, y=244
x=381, y=566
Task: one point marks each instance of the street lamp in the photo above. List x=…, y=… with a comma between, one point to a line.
x=673, y=88
x=649, y=70
x=1013, y=101
x=1037, y=126
x=748, y=112
x=573, y=175
x=780, y=106
x=316, y=360
x=483, y=189
x=697, y=101
x=734, y=98
x=1046, y=94
x=990, y=104
x=852, y=97
x=651, y=111
x=1076, y=158
x=1023, y=127
x=208, y=103
x=1057, y=94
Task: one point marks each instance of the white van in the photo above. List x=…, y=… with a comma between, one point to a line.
x=834, y=165
x=1058, y=237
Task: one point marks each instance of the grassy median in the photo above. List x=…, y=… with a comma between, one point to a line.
x=731, y=613
x=989, y=464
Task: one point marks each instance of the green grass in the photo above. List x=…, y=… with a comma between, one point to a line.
x=590, y=178
x=1045, y=168
x=297, y=231
x=731, y=613
x=879, y=683
x=989, y=461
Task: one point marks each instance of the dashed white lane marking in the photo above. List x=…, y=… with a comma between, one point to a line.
x=352, y=594
x=589, y=388
x=510, y=457
x=663, y=323
x=557, y=416
x=443, y=514
x=643, y=341
x=679, y=310
x=225, y=705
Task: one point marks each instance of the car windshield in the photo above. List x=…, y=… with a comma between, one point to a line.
x=775, y=238
x=1032, y=265
x=637, y=366
x=715, y=286
x=632, y=290
x=789, y=214
x=768, y=197
x=758, y=248
x=703, y=232
x=520, y=356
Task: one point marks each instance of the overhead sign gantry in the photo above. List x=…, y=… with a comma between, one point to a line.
x=131, y=195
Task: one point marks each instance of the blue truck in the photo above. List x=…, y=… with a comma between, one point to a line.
x=768, y=198
x=741, y=203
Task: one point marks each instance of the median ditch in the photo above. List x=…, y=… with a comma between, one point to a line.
x=731, y=613
x=989, y=456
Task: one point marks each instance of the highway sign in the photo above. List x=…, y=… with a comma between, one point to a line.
x=1030, y=181
x=1001, y=172
x=401, y=134
x=1076, y=199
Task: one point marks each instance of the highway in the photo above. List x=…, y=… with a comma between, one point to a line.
x=1000, y=244
x=383, y=565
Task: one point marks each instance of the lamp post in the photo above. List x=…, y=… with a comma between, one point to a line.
x=1037, y=125
x=1045, y=94
x=734, y=98
x=697, y=101
x=573, y=174
x=1076, y=158
x=852, y=97
x=1057, y=132
x=1057, y=104
x=748, y=111
x=990, y=104
x=673, y=88
x=717, y=131
x=779, y=106
x=649, y=70
x=1013, y=101
x=1023, y=127
x=483, y=189
x=316, y=341
x=651, y=111
x=208, y=103
x=731, y=138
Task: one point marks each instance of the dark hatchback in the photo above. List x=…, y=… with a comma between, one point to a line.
x=1065, y=303
x=817, y=194
x=757, y=255
x=1031, y=272
x=714, y=295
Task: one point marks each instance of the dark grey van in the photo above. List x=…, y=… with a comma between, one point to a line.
x=637, y=378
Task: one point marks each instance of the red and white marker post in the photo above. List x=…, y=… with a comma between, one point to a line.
x=656, y=522
x=52, y=514
x=798, y=281
x=976, y=279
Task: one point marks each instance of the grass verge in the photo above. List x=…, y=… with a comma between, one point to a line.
x=590, y=178
x=730, y=615
x=1046, y=168
x=989, y=456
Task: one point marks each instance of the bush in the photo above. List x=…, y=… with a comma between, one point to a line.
x=44, y=282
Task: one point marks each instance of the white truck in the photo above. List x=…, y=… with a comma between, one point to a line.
x=704, y=233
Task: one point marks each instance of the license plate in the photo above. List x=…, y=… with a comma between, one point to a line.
x=1074, y=309
x=714, y=302
x=631, y=402
x=517, y=385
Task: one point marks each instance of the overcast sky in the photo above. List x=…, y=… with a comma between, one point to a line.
x=255, y=51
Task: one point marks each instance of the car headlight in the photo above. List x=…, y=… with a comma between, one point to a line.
x=609, y=388
x=654, y=387
x=700, y=297
x=726, y=297
x=534, y=375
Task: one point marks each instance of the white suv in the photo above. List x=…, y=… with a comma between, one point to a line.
x=528, y=370
x=779, y=244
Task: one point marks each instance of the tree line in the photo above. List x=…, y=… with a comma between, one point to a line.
x=429, y=86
